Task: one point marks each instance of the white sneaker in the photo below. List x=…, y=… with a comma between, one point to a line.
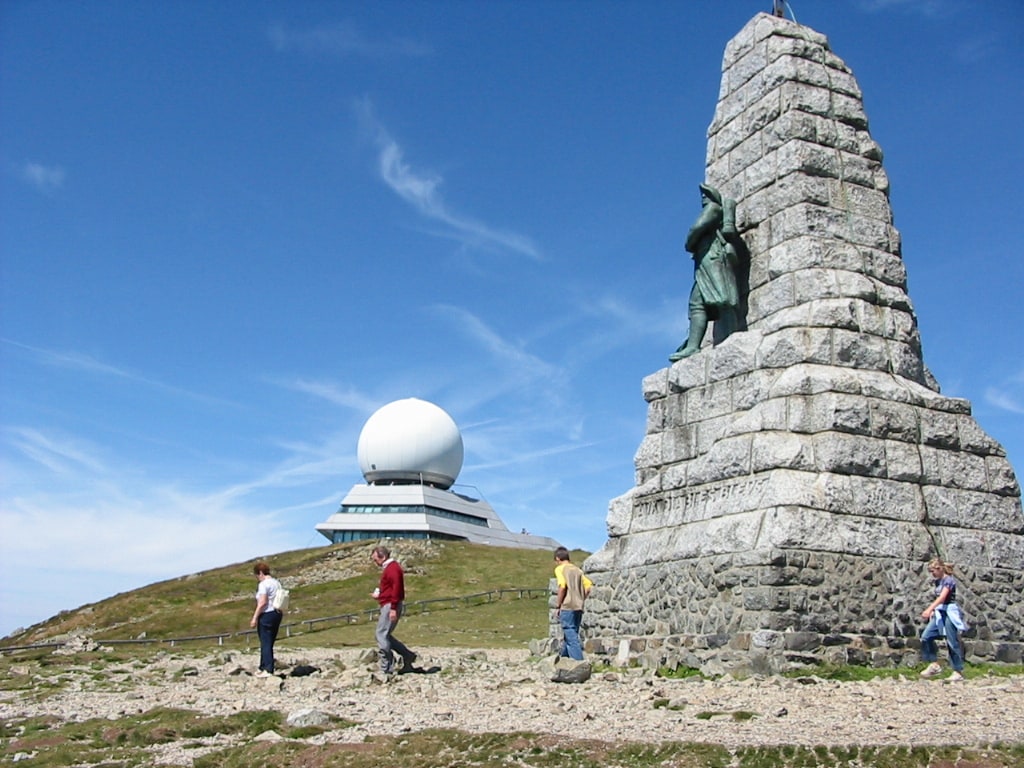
x=954, y=677
x=263, y=673
x=931, y=670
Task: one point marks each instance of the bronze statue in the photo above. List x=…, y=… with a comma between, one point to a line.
x=715, y=245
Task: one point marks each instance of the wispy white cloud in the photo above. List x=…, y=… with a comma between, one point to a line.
x=1004, y=400
x=342, y=39
x=75, y=361
x=295, y=472
x=931, y=8
x=60, y=456
x=627, y=322
x=525, y=415
x=42, y=177
x=607, y=323
x=163, y=532
x=329, y=503
x=421, y=189
x=531, y=456
x=977, y=49
x=506, y=353
x=347, y=397
x=71, y=508
x=69, y=550
x=71, y=360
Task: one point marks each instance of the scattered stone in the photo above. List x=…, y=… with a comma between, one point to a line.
x=513, y=691
x=544, y=646
x=571, y=671
x=306, y=718
x=76, y=642
x=270, y=682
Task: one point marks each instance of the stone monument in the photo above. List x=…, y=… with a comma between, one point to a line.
x=796, y=477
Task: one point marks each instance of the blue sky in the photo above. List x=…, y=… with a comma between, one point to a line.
x=230, y=231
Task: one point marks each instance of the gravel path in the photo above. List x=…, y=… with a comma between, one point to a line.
x=506, y=690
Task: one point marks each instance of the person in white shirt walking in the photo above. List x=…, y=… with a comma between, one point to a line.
x=266, y=619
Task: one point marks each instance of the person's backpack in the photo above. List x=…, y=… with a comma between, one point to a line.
x=281, y=598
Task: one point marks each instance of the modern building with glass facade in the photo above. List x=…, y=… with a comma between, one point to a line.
x=410, y=452
x=415, y=511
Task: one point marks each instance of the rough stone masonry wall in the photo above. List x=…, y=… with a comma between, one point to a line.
x=795, y=480
x=790, y=142
x=803, y=607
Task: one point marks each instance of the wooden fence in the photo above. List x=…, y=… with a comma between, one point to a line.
x=310, y=625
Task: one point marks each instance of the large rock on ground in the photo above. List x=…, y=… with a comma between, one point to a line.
x=561, y=669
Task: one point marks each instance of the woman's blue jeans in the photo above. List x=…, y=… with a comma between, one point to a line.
x=266, y=627
x=570, y=621
x=938, y=626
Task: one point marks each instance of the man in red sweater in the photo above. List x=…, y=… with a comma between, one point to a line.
x=391, y=596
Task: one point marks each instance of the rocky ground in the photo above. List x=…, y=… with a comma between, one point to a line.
x=507, y=690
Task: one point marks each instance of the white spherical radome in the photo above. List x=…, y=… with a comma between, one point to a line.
x=410, y=441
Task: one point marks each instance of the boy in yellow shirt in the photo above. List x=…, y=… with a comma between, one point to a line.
x=573, y=589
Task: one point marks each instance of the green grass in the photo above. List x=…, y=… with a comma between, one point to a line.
x=123, y=742
x=739, y=715
x=46, y=743
x=679, y=673
x=853, y=673
x=328, y=581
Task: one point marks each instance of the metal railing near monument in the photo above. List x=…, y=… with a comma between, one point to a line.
x=311, y=625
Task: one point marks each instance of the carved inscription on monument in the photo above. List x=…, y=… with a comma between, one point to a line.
x=690, y=505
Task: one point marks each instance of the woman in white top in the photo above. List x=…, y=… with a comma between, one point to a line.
x=265, y=619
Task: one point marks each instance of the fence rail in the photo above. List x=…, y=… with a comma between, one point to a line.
x=369, y=614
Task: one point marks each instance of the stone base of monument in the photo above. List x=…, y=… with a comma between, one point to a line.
x=768, y=652
x=735, y=614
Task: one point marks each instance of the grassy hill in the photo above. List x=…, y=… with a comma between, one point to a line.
x=331, y=581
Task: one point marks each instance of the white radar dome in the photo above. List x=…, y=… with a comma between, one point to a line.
x=410, y=441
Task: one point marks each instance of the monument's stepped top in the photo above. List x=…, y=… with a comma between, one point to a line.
x=790, y=143
x=796, y=477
